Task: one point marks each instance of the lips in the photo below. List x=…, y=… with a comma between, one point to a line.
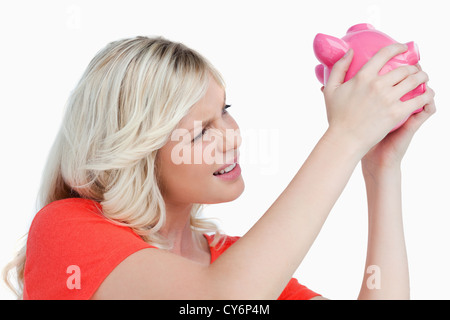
x=227, y=167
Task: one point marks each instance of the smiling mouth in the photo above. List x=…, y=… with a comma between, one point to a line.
x=225, y=170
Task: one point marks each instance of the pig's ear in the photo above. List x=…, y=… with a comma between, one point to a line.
x=360, y=27
x=320, y=73
x=328, y=49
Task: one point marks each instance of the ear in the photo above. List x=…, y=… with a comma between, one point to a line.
x=320, y=73
x=328, y=49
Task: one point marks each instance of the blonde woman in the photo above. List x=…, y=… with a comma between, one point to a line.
x=124, y=183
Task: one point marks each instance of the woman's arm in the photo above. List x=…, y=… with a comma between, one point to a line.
x=386, y=272
x=260, y=264
x=276, y=245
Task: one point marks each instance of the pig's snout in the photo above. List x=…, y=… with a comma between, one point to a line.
x=412, y=56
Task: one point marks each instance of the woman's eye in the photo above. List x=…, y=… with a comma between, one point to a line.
x=225, y=108
x=206, y=128
x=201, y=134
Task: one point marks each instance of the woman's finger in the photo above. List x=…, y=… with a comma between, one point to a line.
x=399, y=74
x=418, y=102
x=416, y=120
x=339, y=70
x=410, y=83
x=377, y=62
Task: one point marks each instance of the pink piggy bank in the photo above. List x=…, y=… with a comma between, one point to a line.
x=365, y=42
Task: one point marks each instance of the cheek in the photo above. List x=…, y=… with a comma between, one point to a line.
x=187, y=182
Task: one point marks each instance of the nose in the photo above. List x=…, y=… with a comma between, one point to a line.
x=231, y=140
x=227, y=139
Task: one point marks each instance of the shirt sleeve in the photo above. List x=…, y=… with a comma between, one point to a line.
x=296, y=291
x=72, y=248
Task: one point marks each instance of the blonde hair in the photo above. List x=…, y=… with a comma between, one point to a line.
x=132, y=96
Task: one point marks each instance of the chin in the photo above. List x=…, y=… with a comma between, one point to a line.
x=232, y=193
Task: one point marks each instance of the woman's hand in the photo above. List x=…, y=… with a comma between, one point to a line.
x=389, y=152
x=365, y=108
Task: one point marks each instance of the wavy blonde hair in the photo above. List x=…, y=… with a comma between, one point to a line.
x=132, y=96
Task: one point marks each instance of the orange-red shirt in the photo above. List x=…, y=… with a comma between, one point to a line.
x=72, y=248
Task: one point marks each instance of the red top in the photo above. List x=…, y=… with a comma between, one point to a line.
x=72, y=248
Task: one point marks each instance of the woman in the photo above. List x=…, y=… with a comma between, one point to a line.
x=147, y=139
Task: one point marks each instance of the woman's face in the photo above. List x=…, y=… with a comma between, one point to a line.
x=205, y=141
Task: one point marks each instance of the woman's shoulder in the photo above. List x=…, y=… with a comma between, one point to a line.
x=71, y=213
x=74, y=218
x=73, y=233
x=69, y=207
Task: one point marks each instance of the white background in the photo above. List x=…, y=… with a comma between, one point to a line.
x=264, y=51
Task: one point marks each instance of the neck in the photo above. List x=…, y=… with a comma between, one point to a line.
x=177, y=229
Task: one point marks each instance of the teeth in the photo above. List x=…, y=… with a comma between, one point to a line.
x=227, y=169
